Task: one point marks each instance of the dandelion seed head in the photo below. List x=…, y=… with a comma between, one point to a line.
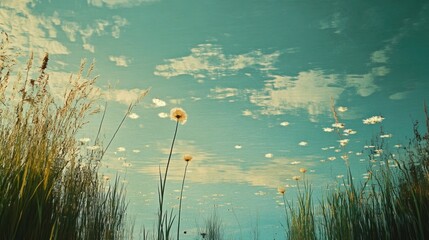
x=187, y=157
x=296, y=178
x=178, y=114
x=281, y=190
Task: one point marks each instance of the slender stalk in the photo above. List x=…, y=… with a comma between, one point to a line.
x=180, y=200
x=163, y=182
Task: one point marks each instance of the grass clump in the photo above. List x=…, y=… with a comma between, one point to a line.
x=50, y=186
x=392, y=203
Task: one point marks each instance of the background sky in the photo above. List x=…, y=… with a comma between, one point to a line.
x=257, y=80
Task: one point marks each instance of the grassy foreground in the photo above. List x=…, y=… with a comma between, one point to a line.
x=49, y=185
x=393, y=202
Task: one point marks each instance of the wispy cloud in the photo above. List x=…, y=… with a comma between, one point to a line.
x=29, y=32
x=399, y=95
x=206, y=168
x=59, y=84
x=124, y=96
x=310, y=90
x=120, y=61
x=209, y=61
x=222, y=93
x=118, y=3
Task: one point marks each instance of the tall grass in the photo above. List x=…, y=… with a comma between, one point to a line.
x=50, y=186
x=391, y=204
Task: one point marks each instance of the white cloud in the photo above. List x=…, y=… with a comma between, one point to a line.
x=380, y=71
x=70, y=29
x=364, y=84
x=118, y=23
x=206, y=168
x=88, y=47
x=222, y=93
x=124, y=96
x=309, y=90
x=120, y=61
x=118, y=3
x=399, y=95
x=380, y=56
x=29, y=32
x=333, y=22
x=209, y=60
x=158, y=102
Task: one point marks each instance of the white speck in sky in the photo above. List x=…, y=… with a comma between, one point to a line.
x=327, y=129
x=269, y=155
x=342, y=109
x=373, y=120
x=303, y=143
x=386, y=136
x=338, y=125
x=349, y=131
x=84, y=140
x=95, y=147
x=237, y=146
x=136, y=150
x=120, y=149
x=158, y=102
x=284, y=124
x=295, y=162
x=162, y=115
x=133, y=116
x=247, y=112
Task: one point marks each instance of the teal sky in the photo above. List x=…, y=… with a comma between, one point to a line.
x=256, y=78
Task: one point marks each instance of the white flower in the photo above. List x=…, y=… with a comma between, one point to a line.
x=373, y=120
x=338, y=125
x=327, y=129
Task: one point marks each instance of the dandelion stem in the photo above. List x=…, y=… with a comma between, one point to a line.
x=180, y=200
x=163, y=183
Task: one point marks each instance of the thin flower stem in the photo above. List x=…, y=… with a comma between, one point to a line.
x=169, y=158
x=162, y=187
x=180, y=200
x=284, y=205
